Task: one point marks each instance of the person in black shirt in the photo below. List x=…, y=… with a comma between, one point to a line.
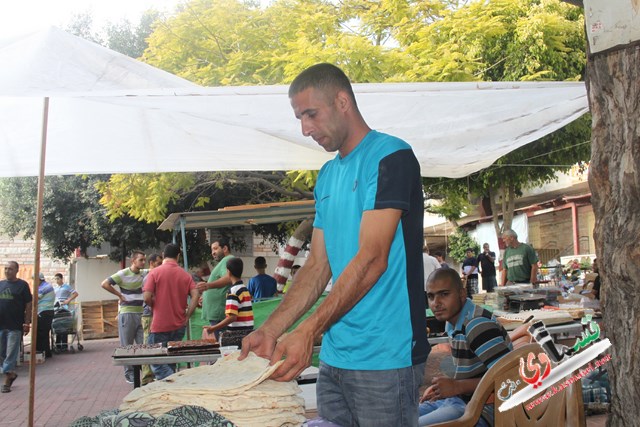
x=486, y=262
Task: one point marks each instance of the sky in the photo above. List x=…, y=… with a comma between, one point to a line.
x=23, y=16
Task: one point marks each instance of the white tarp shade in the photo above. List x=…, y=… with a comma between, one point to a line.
x=109, y=113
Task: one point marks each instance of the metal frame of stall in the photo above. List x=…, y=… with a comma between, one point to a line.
x=268, y=213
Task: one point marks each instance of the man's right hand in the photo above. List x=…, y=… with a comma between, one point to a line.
x=202, y=286
x=260, y=343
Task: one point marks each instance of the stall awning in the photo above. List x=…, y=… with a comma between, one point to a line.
x=268, y=213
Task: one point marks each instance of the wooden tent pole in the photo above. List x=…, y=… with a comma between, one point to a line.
x=36, y=264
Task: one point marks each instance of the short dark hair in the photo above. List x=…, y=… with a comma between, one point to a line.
x=447, y=274
x=439, y=254
x=222, y=242
x=153, y=257
x=235, y=266
x=325, y=77
x=471, y=250
x=260, y=262
x=134, y=254
x=58, y=275
x=171, y=251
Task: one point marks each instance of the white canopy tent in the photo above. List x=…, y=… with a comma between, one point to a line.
x=109, y=113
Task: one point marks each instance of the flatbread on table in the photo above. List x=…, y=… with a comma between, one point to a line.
x=238, y=390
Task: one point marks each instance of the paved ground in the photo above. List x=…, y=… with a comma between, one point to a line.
x=69, y=386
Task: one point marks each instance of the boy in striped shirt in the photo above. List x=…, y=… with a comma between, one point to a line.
x=477, y=342
x=238, y=308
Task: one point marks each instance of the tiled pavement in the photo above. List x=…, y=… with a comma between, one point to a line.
x=69, y=386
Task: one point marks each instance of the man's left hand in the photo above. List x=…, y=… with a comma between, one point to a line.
x=297, y=350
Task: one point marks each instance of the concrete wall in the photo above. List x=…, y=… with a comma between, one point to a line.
x=88, y=274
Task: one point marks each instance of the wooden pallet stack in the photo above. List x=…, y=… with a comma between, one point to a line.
x=99, y=319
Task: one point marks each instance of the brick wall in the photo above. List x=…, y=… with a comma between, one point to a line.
x=23, y=252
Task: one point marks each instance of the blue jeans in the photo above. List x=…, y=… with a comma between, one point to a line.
x=9, y=349
x=369, y=398
x=163, y=371
x=443, y=410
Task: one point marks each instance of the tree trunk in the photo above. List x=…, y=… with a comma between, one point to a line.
x=614, y=177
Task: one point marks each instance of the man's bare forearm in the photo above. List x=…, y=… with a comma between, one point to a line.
x=219, y=283
x=360, y=275
x=308, y=284
x=27, y=312
x=377, y=230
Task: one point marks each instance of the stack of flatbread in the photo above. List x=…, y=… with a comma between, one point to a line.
x=237, y=390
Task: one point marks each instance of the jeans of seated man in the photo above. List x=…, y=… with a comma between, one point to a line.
x=9, y=349
x=163, y=371
x=369, y=398
x=443, y=410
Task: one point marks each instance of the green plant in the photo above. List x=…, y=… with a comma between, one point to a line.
x=459, y=241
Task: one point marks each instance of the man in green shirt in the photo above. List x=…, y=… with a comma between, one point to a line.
x=214, y=292
x=520, y=264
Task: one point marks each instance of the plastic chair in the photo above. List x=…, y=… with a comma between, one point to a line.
x=565, y=408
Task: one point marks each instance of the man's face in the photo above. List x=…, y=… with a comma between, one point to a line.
x=10, y=271
x=445, y=300
x=320, y=118
x=470, y=254
x=508, y=240
x=156, y=263
x=138, y=262
x=217, y=251
x=58, y=280
x=485, y=247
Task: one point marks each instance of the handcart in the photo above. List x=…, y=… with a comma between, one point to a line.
x=65, y=324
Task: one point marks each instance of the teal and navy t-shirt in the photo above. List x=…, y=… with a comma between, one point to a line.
x=386, y=329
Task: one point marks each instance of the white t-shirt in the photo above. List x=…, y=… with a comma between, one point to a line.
x=430, y=265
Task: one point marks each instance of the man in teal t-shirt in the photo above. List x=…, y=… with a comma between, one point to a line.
x=214, y=292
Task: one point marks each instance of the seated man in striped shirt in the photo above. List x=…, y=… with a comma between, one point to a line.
x=477, y=342
x=238, y=308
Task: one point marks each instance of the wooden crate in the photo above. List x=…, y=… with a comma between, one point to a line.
x=99, y=319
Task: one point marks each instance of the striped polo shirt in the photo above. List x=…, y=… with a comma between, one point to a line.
x=130, y=284
x=239, y=303
x=477, y=341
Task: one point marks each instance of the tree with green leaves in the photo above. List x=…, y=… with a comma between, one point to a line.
x=72, y=217
x=506, y=40
x=459, y=242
